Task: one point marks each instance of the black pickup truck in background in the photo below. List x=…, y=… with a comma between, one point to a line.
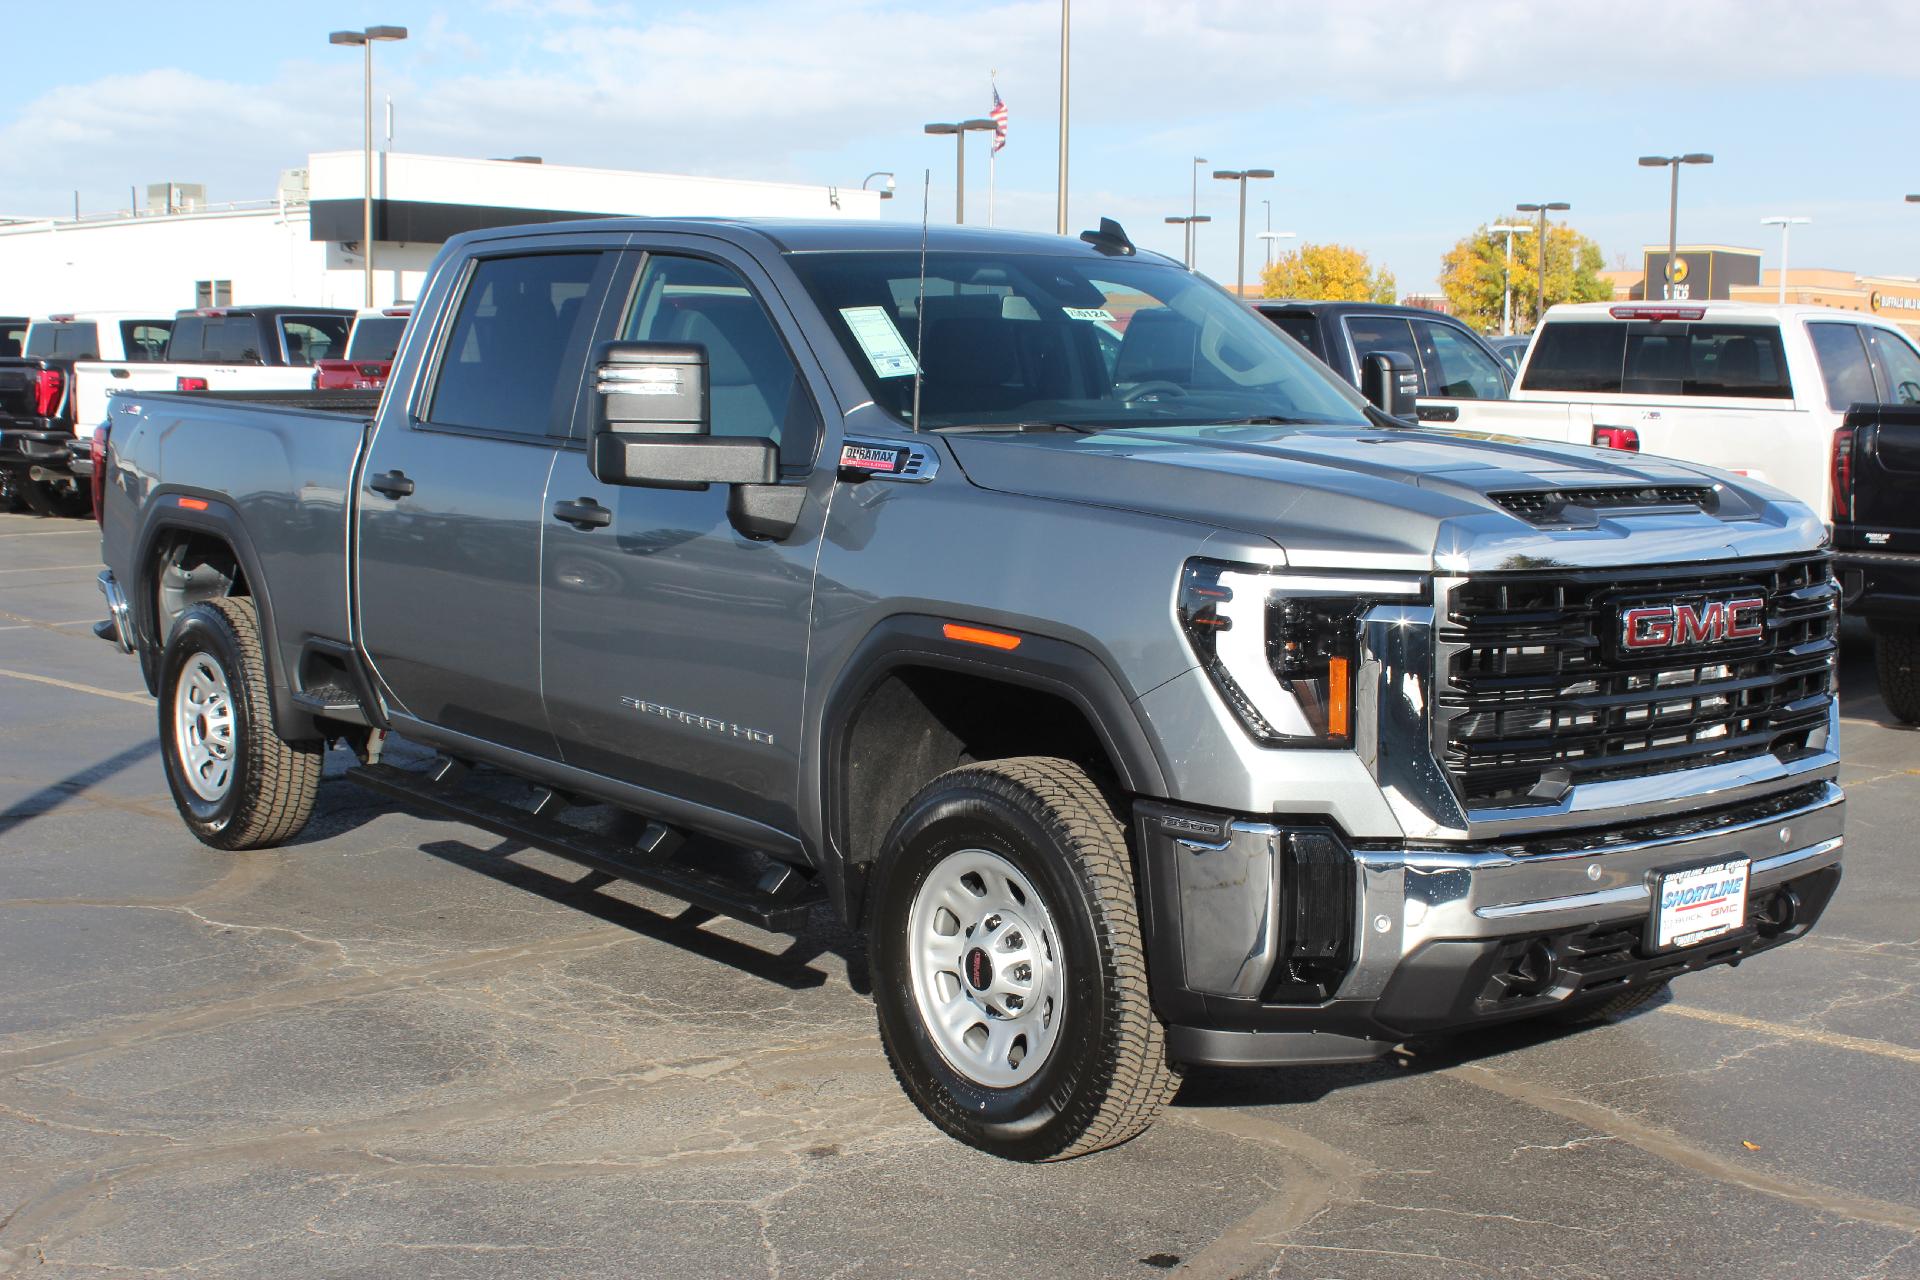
x=1876, y=540
x=1393, y=351
x=13, y=334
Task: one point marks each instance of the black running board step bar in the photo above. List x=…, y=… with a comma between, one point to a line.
x=641, y=862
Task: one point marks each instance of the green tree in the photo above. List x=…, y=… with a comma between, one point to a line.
x=1473, y=275
x=1329, y=272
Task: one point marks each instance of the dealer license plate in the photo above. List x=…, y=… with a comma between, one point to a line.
x=1699, y=903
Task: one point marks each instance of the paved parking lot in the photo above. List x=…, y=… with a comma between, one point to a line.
x=401, y=1048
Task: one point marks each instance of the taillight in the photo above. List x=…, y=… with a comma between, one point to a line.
x=47, y=384
x=1616, y=438
x=189, y=384
x=1841, y=474
x=97, y=450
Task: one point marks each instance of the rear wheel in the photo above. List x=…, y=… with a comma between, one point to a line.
x=1009, y=977
x=237, y=784
x=1896, y=653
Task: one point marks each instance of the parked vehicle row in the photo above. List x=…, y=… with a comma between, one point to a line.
x=1145, y=695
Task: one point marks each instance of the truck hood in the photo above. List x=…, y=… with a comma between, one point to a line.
x=1393, y=498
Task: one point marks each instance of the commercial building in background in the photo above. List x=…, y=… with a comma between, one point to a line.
x=1892, y=298
x=303, y=246
x=1701, y=272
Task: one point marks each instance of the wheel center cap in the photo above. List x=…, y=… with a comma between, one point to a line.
x=979, y=969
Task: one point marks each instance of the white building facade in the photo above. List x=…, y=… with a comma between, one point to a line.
x=304, y=247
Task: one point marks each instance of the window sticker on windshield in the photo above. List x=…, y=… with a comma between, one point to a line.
x=1088, y=313
x=886, y=350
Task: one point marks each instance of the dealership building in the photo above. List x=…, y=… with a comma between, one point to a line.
x=304, y=245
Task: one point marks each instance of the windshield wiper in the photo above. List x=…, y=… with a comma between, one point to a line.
x=1076, y=427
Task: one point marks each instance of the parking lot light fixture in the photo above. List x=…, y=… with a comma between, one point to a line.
x=1240, y=176
x=1271, y=237
x=1510, y=230
x=960, y=129
x=1540, y=250
x=1192, y=223
x=1786, y=225
x=366, y=38
x=886, y=192
x=1673, y=202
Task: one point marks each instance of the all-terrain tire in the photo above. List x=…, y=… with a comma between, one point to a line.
x=1104, y=1074
x=1896, y=653
x=254, y=790
x=1616, y=1006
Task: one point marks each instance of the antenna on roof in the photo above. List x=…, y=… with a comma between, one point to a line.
x=920, y=300
x=1110, y=238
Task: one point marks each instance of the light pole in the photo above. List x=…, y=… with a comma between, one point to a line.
x=1193, y=208
x=960, y=129
x=886, y=192
x=1540, y=249
x=1192, y=223
x=1066, y=31
x=1240, y=176
x=366, y=39
x=1270, y=236
x=1786, y=224
x=1673, y=201
x=1511, y=229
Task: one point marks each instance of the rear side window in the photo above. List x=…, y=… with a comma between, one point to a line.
x=1896, y=366
x=502, y=362
x=13, y=336
x=1843, y=365
x=310, y=338
x=1742, y=361
x=79, y=340
x=144, y=340
x=1304, y=330
x=376, y=338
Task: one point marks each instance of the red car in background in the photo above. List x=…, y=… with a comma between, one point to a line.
x=370, y=348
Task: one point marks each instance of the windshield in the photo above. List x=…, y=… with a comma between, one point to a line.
x=1013, y=338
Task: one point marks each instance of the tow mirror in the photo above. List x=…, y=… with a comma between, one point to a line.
x=1389, y=380
x=653, y=422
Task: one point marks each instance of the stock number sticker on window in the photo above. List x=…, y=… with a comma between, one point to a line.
x=1699, y=903
x=1100, y=314
x=886, y=350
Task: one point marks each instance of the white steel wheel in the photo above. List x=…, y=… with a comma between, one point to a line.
x=203, y=727
x=988, y=968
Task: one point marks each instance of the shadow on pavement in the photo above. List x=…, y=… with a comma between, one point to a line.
x=56, y=794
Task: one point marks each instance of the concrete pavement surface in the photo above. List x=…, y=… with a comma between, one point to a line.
x=401, y=1048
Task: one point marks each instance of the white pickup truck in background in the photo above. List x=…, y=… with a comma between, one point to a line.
x=1756, y=389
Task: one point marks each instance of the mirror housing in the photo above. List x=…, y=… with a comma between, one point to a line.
x=652, y=425
x=1389, y=380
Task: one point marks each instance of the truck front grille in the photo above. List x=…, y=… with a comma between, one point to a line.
x=1537, y=692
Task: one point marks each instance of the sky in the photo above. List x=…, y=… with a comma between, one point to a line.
x=1394, y=126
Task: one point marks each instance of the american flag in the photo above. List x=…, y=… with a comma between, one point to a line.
x=999, y=114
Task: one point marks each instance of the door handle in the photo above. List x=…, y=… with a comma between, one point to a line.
x=583, y=514
x=1438, y=413
x=394, y=484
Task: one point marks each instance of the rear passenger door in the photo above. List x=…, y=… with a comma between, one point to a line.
x=450, y=510
x=673, y=647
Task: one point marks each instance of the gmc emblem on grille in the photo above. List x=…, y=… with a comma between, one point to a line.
x=1679, y=626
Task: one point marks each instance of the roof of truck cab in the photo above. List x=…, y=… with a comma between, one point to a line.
x=822, y=236
x=1713, y=309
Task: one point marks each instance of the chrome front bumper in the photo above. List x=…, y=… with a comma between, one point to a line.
x=1419, y=930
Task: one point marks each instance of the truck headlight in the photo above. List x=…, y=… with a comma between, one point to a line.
x=1282, y=646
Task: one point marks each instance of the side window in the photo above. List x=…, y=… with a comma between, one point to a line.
x=1456, y=368
x=501, y=366
x=1843, y=365
x=1385, y=333
x=311, y=338
x=1897, y=365
x=751, y=382
x=144, y=340
x=1573, y=355
x=1303, y=329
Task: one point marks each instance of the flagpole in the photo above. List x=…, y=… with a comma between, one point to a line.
x=992, y=156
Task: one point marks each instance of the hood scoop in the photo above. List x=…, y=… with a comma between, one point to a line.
x=1580, y=506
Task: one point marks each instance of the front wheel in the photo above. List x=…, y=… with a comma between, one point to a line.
x=236, y=783
x=1009, y=976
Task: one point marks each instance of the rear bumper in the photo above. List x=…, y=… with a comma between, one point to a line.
x=1879, y=584
x=1272, y=943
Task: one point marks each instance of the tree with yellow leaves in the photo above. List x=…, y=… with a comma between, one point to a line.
x=1327, y=272
x=1474, y=272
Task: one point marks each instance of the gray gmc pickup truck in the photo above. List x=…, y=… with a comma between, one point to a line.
x=1145, y=696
